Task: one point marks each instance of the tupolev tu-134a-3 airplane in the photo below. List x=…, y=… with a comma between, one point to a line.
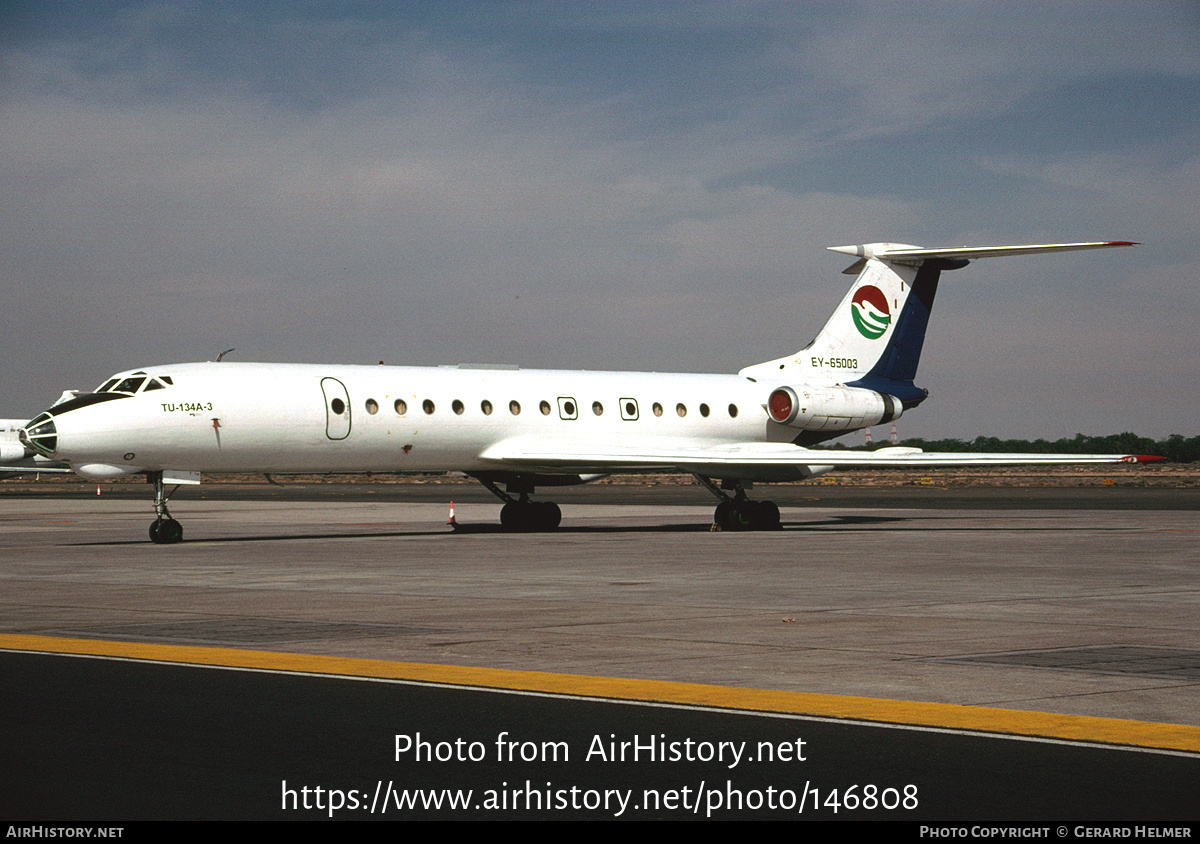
x=515, y=429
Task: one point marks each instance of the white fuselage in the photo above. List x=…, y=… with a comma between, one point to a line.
x=247, y=417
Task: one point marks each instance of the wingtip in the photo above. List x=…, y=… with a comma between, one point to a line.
x=1144, y=458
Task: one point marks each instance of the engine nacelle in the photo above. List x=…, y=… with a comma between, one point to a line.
x=12, y=452
x=831, y=408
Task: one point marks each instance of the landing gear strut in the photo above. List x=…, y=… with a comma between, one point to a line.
x=164, y=530
x=738, y=512
x=521, y=514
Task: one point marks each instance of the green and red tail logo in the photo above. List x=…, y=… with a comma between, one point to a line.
x=869, y=307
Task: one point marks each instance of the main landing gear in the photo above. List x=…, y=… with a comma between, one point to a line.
x=164, y=530
x=738, y=512
x=522, y=515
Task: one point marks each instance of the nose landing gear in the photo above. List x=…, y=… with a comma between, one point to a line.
x=164, y=530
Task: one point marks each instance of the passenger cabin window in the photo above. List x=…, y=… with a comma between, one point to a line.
x=486, y=407
x=544, y=407
x=597, y=408
x=372, y=406
x=681, y=409
x=514, y=407
x=657, y=408
x=427, y=406
x=401, y=407
x=457, y=407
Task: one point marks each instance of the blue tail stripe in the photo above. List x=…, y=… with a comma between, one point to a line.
x=896, y=368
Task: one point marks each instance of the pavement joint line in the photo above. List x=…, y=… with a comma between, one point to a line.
x=1077, y=728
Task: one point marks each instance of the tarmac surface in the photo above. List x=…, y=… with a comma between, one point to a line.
x=1076, y=604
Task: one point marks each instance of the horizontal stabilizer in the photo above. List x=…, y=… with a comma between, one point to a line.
x=900, y=253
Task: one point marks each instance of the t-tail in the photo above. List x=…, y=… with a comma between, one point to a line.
x=874, y=338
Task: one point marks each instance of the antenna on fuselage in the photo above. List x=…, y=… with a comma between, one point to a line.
x=227, y=351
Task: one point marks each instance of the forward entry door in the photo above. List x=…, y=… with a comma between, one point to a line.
x=337, y=409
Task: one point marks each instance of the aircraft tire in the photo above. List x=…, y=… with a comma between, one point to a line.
x=530, y=516
x=547, y=515
x=747, y=515
x=769, y=515
x=166, y=531
x=724, y=515
x=512, y=516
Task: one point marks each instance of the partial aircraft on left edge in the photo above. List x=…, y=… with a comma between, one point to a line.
x=16, y=457
x=522, y=429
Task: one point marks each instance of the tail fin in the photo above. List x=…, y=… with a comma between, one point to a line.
x=875, y=335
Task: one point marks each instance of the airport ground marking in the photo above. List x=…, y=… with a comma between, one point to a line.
x=947, y=716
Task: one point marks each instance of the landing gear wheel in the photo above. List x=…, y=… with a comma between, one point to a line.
x=514, y=515
x=529, y=516
x=547, y=515
x=166, y=531
x=744, y=514
x=725, y=516
x=770, y=516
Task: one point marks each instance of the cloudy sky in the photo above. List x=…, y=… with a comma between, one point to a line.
x=605, y=186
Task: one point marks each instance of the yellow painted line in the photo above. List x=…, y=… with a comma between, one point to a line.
x=942, y=715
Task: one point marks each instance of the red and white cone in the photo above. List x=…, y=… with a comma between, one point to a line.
x=451, y=522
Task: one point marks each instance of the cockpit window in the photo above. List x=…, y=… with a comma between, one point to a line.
x=129, y=385
x=135, y=382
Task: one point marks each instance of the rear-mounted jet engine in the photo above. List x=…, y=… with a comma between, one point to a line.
x=831, y=408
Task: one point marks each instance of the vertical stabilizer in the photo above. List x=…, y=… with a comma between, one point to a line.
x=876, y=332
x=875, y=335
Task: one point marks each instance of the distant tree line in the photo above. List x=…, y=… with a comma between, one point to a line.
x=1176, y=447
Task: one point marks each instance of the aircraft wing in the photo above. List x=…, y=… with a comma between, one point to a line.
x=747, y=460
x=45, y=467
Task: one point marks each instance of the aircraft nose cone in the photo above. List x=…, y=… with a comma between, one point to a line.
x=40, y=434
